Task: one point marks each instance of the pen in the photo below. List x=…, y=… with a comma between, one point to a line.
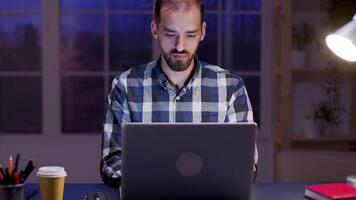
x=2, y=171
x=21, y=176
x=10, y=166
x=1, y=178
x=17, y=161
x=6, y=176
x=15, y=178
x=28, y=169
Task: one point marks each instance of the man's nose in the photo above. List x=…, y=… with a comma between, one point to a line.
x=180, y=44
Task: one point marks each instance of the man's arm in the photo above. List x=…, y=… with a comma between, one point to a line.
x=240, y=110
x=116, y=113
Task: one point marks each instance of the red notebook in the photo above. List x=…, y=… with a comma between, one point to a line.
x=330, y=191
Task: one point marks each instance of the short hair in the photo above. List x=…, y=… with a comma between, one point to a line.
x=176, y=4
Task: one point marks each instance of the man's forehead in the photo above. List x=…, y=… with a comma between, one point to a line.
x=180, y=6
x=187, y=17
x=180, y=23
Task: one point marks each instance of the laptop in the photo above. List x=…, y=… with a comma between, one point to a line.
x=187, y=160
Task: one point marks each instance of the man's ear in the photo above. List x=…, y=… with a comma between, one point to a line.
x=154, y=30
x=203, y=31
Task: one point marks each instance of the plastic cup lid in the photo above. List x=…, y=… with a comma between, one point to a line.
x=51, y=172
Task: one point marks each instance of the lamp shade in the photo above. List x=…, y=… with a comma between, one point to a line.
x=343, y=41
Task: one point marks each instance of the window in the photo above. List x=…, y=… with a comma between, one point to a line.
x=96, y=44
x=20, y=66
x=234, y=42
x=82, y=66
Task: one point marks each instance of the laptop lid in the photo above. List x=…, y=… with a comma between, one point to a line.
x=187, y=160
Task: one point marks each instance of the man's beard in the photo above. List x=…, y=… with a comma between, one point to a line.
x=177, y=65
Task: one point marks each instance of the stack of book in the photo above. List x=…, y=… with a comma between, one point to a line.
x=330, y=191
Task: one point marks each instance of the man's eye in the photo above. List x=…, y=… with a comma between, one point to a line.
x=191, y=36
x=170, y=34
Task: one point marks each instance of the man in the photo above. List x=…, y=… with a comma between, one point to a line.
x=177, y=87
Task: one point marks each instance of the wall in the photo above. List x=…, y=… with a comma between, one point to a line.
x=307, y=93
x=80, y=155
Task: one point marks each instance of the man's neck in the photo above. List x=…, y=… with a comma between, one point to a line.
x=177, y=78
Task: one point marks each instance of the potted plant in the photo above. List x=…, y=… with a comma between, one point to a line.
x=326, y=115
x=302, y=37
x=324, y=120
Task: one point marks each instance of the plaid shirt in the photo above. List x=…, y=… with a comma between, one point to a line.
x=142, y=94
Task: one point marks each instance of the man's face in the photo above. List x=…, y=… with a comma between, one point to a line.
x=178, y=34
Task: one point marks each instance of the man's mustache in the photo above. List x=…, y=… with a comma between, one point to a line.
x=179, y=52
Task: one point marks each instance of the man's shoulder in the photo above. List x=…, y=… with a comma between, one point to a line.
x=137, y=72
x=216, y=72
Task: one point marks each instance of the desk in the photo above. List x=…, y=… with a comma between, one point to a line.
x=265, y=191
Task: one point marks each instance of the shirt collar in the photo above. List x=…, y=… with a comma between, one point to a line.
x=161, y=78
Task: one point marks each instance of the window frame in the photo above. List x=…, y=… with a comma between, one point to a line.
x=51, y=72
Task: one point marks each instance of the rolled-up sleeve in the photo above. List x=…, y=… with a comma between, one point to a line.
x=116, y=113
x=240, y=110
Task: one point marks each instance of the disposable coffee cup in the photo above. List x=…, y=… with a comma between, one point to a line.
x=51, y=180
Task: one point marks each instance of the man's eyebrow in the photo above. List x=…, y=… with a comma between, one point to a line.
x=193, y=31
x=171, y=30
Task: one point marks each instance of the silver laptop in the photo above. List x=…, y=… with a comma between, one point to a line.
x=187, y=161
